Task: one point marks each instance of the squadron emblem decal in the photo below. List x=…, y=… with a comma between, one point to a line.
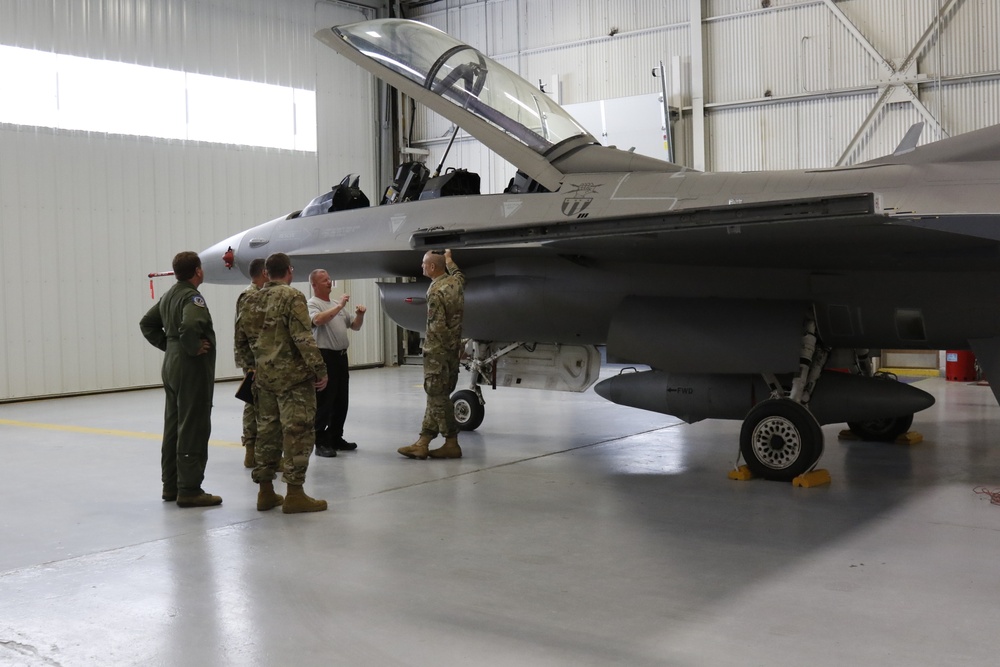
x=578, y=200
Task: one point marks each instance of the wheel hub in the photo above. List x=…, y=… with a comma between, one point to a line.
x=776, y=442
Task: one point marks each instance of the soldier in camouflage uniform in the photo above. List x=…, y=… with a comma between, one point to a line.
x=442, y=346
x=275, y=330
x=257, y=279
x=180, y=325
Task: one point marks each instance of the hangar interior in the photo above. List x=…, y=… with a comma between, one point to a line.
x=574, y=531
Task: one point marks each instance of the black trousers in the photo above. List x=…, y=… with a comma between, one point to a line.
x=332, y=402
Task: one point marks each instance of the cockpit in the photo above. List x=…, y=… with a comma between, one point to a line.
x=506, y=113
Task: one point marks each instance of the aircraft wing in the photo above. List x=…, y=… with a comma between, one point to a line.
x=732, y=218
x=835, y=233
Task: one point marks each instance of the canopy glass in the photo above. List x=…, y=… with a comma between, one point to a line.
x=465, y=77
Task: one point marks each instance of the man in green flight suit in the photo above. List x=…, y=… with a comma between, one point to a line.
x=181, y=325
x=442, y=346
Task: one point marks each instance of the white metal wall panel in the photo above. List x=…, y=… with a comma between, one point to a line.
x=968, y=106
x=778, y=53
x=608, y=67
x=969, y=42
x=892, y=32
x=85, y=216
x=503, y=25
x=368, y=344
x=811, y=134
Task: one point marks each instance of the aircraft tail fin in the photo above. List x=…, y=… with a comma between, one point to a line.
x=909, y=142
x=977, y=146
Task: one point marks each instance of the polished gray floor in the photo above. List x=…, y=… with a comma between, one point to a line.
x=573, y=532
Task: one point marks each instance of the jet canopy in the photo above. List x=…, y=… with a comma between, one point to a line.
x=462, y=75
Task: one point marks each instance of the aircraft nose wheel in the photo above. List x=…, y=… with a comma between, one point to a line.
x=469, y=410
x=780, y=440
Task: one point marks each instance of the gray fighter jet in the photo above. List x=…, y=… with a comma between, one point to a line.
x=739, y=291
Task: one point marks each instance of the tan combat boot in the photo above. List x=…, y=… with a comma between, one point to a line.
x=417, y=450
x=449, y=450
x=297, y=501
x=266, y=497
x=248, y=458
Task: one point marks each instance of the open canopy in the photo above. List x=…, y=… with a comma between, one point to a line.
x=477, y=93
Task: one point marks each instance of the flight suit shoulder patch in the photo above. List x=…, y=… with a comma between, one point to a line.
x=199, y=301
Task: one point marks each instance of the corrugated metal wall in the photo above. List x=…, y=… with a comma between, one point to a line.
x=795, y=84
x=85, y=216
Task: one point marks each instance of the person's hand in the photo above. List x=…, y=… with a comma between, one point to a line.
x=320, y=384
x=447, y=255
x=344, y=298
x=206, y=345
x=360, y=310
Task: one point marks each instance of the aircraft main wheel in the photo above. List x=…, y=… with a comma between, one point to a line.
x=469, y=412
x=882, y=430
x=780, y=440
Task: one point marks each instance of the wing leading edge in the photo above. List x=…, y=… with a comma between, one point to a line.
x=861, y=206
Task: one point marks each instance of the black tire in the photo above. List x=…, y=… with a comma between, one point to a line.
x=882, y=430
x=780, y=440
x=469, y=412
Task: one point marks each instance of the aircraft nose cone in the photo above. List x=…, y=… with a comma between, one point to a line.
x=219, y=262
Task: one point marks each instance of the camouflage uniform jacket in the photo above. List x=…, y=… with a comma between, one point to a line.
x=244, y=356
x=445, y=307
x=283, y=349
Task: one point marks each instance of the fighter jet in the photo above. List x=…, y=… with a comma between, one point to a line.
x=757, y=296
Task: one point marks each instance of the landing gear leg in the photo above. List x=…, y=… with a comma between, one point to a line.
x=470, y=406
x=780, y=438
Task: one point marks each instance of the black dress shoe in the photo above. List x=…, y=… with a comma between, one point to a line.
x=345, y=446
x=326, y=450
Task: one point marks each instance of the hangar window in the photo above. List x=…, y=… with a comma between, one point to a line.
x=46, y=89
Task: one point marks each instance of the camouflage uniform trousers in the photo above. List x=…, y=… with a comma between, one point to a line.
x=440, y=378
x=250, y=423
x=285, y=432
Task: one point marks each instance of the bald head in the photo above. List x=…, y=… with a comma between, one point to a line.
x=321, y=283
x=433, y=265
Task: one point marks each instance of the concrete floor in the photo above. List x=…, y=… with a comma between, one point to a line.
x=574, y=532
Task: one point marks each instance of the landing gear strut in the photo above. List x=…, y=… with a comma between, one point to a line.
x=470, y=406
x=780, y=438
